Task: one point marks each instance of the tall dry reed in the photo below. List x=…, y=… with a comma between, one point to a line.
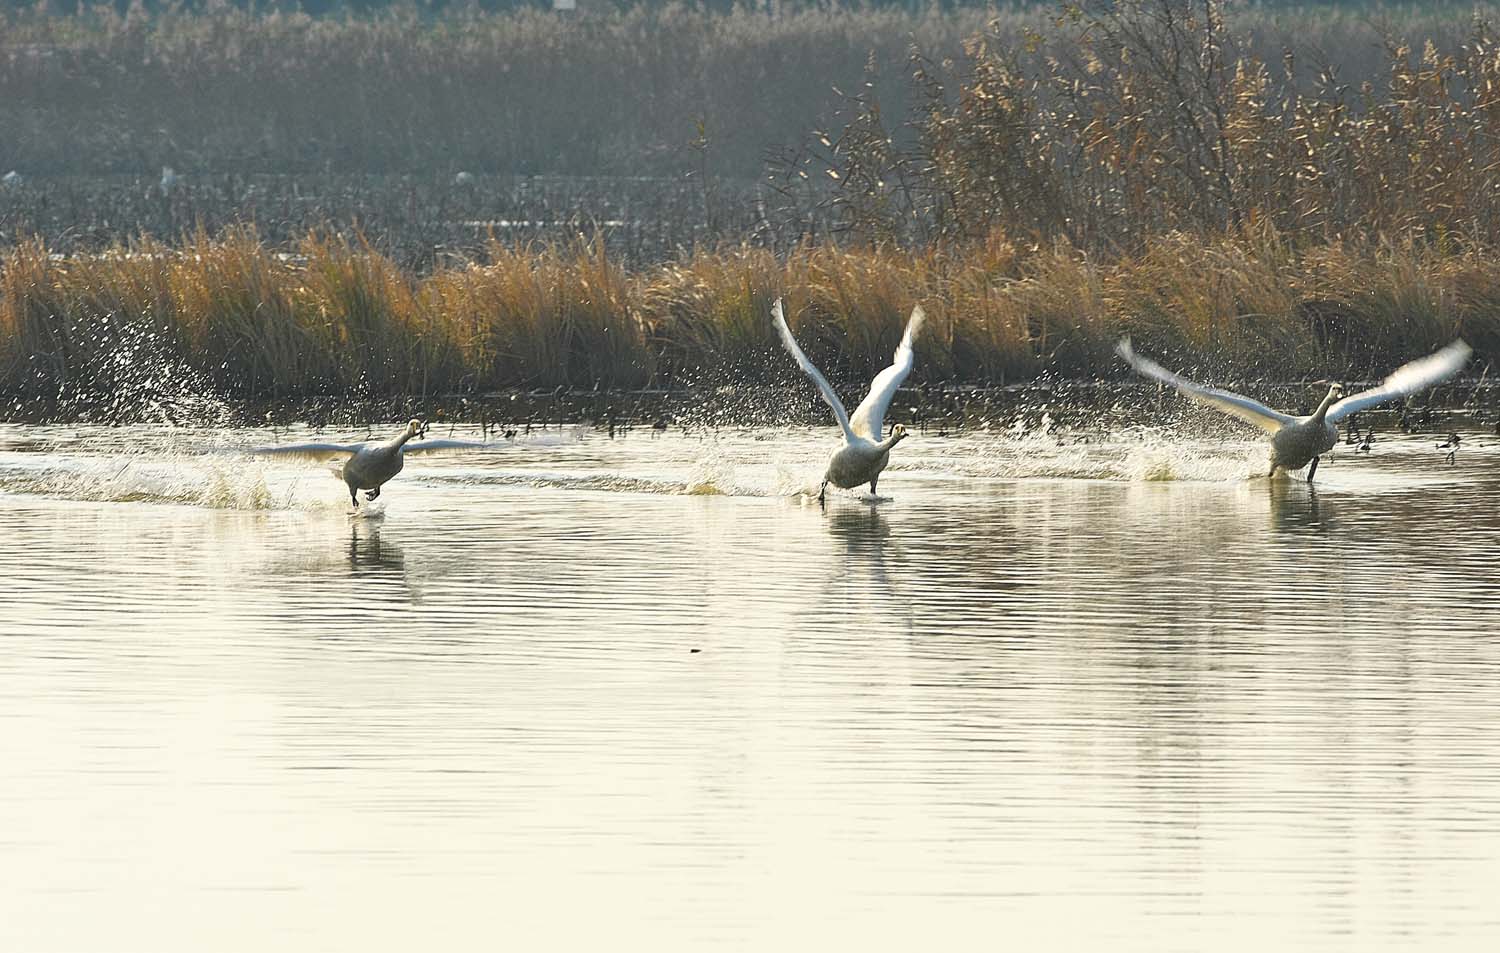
x=222, y=89
x=338, y=318
x=1127, y=120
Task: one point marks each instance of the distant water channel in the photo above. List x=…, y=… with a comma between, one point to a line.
x=643, y=693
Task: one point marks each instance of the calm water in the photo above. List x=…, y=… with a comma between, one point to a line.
x=582, y=693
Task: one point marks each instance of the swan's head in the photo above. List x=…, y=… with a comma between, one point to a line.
x=415, y=428
x=898, y=433
x=1336, y=390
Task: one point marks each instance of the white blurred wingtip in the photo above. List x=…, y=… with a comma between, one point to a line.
x=913, y=325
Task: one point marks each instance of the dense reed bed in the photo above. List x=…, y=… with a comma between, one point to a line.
x=416, y=220
x=651, y=89
x=1126, y=166
x=229, y=316
x=1130, y=119
x=666, y=128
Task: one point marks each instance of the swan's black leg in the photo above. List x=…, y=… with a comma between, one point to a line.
x=872, y=485
x=822, y=490
x=1312, y=469
x=353, y=496
x=370, y=495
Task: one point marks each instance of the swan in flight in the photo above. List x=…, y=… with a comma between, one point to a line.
x=367, y=466
x=1297, y=440
x=863, y=454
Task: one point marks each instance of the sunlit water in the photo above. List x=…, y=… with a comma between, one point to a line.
x=578, y=693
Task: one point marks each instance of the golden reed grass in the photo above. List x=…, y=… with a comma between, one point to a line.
x=338, y=318
x=1136, y=169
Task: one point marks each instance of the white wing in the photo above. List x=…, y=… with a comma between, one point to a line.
x=869, y=417
x=1248, y=410
x=808, y=368
x=437, y=446
x=312, y=451
x=1407, y=379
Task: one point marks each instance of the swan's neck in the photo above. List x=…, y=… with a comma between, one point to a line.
x=889, y=442
x=1322, y=410
x=405, y=436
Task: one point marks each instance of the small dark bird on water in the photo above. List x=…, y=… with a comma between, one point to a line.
x=1452, y=447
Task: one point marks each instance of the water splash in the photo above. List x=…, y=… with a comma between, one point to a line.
x=206, y=482
x=129, y=369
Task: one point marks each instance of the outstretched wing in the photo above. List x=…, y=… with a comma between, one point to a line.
x=808, y=368
x=311, y=451
x=869, y=417
x=439, y=445
x=1407, y=379
x=1251, y=411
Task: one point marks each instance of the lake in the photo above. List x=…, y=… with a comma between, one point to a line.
x=581, y=692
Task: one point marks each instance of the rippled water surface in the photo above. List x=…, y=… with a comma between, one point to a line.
x=582, y=693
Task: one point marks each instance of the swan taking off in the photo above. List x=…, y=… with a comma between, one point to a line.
x=863, y=454
x=369, y=465
x=1297, y=440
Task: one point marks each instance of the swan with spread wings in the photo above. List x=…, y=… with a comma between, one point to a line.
x=1298, y=441
x=370, y=465
x=864, y=454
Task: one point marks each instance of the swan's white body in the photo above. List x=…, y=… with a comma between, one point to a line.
x=1298, y=441
x=369, y=466
x=864, y=454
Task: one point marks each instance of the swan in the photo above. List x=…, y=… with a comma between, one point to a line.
x=863, y=454
x=1297, y=440
x=370, y=465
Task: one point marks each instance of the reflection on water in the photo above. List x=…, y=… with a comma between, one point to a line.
x=864, y=535
x=1296, y=505
x=368, y=553
x=641, y=692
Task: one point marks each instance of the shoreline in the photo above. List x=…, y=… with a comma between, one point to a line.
x=950, y=408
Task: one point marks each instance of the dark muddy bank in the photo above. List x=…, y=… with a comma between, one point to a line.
x=1071, y=409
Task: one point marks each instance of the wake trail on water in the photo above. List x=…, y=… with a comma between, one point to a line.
x=714, y=472
x=1142, y=456
x=182, y=471
x=213, y=484
x=187, y=472
x=209, y=482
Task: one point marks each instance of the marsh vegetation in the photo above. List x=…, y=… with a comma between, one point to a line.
x=357, y=205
